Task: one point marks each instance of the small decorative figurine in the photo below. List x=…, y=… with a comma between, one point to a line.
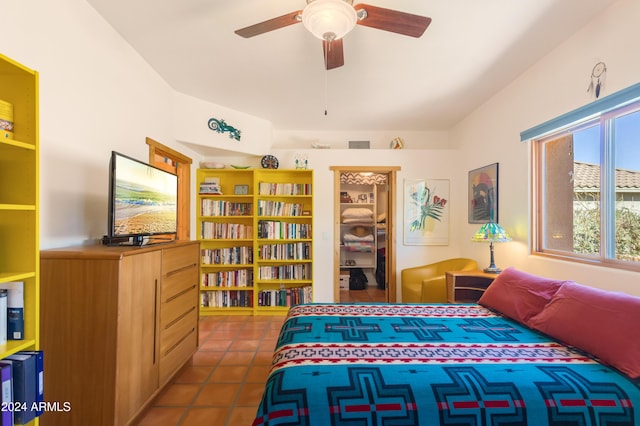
x=221, y=126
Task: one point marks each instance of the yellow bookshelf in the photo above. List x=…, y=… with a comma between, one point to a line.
x=284, y=239
x=19, y=198
x=255, y=232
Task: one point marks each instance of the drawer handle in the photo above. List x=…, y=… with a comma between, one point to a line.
x=155, y=319
x=184, y=268
x=169, y=325
x=179, y=342
x=186, y=290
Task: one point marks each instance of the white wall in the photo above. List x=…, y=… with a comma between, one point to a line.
x=192, y=115
x=555, y=85
x=96, y=95
x=296, y=139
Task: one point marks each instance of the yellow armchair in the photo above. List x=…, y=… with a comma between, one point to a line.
x=427, y=283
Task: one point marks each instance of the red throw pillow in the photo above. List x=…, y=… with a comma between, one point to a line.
x=519, y=295
x=603, y=323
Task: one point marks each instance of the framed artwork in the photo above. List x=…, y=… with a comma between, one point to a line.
x=426, y=212
x=483, y=194
x=241, y=189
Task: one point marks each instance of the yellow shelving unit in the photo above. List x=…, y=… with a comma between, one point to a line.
x=19, y=198
x=256, y=240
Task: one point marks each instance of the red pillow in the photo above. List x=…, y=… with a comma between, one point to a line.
x=603, y=323
x=519, y=295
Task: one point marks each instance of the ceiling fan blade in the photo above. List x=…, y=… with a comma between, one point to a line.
x=270, y=25
x=333, y=53
x=393, y=20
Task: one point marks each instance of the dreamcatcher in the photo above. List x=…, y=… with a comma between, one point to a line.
x=598, y=74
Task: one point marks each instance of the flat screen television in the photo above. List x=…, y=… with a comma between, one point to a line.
x=142, y=201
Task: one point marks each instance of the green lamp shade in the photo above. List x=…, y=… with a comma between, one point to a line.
x=491, y=232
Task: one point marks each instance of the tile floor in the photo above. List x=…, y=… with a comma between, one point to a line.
x=223, y=384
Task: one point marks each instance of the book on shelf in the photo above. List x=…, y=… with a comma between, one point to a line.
x=15, y=309
x=3, y=316
x=285, y=297
x=7, y=393
x=23, y=371
x=215, y=230
x=234, y=278
x=298, y=271
x=39, y=356
x=210, y=186
x=226, y=299
x=279, y=208
x=206, y=190
x=211, y=207
x=286, y=251
x=269, y=188
x=274, y=229
x=227, y=256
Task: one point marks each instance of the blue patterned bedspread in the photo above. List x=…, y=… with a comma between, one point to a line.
x=379, y=364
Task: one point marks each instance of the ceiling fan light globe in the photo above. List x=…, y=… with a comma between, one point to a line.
x=329, y=19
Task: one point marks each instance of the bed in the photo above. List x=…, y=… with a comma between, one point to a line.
x=466, y=364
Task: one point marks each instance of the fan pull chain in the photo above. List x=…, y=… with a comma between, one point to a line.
x=325, y=91
x=326, y=76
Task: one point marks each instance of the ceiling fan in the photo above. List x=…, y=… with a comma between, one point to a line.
x=330, y=20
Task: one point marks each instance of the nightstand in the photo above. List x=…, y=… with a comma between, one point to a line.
x=467, y=286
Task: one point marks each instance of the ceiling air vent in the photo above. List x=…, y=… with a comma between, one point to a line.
x=359, y=145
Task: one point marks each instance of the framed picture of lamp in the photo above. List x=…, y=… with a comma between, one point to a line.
x=483, y=194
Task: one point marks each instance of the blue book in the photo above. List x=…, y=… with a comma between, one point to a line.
x=15, y=309
x=6, y=384
x=15, y=323
x=23, y=369
x=39, y=355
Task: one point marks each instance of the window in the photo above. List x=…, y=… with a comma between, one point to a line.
x=587, y=189
x=175, y=162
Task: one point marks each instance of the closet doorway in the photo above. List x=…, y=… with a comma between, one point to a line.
x=364, y=233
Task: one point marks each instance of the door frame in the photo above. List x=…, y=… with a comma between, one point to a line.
x=180, y=165
x=390, y=261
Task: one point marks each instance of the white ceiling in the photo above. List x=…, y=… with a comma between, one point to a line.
x=389, y=82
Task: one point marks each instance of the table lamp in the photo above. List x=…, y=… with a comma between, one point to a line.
x=491, y=232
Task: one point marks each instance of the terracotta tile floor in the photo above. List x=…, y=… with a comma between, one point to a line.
x=223, y=384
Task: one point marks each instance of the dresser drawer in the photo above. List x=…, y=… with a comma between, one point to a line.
x=177, y=258
x=179, y=281
x=176, y=331
x=177, y=356
x=177, y=307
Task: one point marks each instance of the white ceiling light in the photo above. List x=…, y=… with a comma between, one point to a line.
x=329, y=19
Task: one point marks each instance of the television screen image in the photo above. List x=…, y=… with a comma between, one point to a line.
x=143, y=199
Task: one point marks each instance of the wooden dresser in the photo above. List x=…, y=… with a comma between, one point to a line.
x=116, y=324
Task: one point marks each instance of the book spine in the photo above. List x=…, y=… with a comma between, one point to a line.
x=7, y=393
x=3, y=316
x=24, y=387
x=39, y=371
x=15, y=309
x=15, y=323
